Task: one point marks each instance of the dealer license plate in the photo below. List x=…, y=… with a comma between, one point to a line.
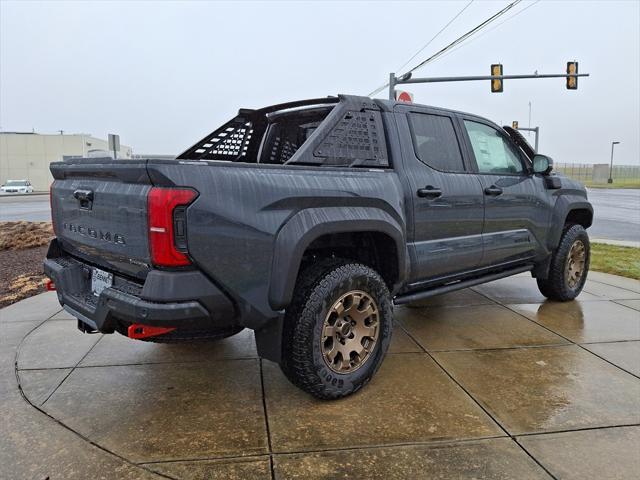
x=100, y=280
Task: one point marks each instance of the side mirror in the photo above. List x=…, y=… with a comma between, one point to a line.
x=542, y=164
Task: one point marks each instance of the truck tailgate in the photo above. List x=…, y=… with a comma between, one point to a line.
x=99, y=212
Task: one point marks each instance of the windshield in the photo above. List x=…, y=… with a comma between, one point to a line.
x=16, y=183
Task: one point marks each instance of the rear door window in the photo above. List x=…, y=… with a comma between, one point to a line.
x=435, y=142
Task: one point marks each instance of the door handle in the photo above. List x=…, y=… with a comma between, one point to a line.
x=493, y=191
x=429, y=192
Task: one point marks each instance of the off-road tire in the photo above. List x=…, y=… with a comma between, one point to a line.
x=318, y=288
x=555, y=286
x=193, y=335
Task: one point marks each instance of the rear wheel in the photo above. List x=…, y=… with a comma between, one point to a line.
x=569, y=266
x=337, y=329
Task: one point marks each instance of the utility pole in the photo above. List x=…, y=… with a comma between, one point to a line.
x=114, y=144
x=392, y=86
x=611, y=166
x=529, y=126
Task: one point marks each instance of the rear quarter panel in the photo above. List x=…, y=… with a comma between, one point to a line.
x=234, y=222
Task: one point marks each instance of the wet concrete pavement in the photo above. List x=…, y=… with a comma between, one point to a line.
x=490, y=382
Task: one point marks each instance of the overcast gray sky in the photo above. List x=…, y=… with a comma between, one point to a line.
x=163, y=74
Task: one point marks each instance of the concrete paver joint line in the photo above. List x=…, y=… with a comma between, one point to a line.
x=570, y=454
x=455, y=381
x=340, y=448
x=479, y=404
x=57, y=421
x=266, y=420
x=611, y=285
x=625, y=303
x=576, y=429
x=582, y=345
x=570, y=340
x=76, y=366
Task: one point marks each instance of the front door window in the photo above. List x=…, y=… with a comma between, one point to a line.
x=493, y=153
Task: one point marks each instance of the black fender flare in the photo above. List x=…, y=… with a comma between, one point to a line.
x=564, y=205
x=304, y=227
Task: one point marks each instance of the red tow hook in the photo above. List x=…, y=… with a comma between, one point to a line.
x=138, y=330
x=51, y=287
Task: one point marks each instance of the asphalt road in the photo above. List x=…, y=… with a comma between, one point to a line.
x=617, y=212
x=30, y=207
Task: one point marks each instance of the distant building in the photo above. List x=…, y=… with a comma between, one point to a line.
x=28, y=155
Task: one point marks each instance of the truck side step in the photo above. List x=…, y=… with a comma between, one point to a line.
x=421, y=295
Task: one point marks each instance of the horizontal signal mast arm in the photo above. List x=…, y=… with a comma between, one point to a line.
x=486, y=77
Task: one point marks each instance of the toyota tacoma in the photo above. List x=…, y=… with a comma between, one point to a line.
x=306, y=222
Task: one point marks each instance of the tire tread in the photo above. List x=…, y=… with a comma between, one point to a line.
x=553, y=287
x=313, y=289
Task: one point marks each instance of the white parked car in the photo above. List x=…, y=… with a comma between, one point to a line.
x=17, y=186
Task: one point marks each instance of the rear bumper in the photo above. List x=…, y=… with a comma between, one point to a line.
x=165, y=299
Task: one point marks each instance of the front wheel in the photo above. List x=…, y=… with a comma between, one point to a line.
x=337, y=328
x=569, y=266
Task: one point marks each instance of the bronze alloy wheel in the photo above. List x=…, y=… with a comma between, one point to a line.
x=574, y=268
x=350, y=332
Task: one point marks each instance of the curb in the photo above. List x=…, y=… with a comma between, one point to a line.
x=617, y=243
x=5, y=195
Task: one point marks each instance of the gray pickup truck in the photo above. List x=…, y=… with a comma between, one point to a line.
x=306, y=222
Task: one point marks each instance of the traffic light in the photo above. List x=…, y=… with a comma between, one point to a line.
x=514, y=124
x=496, y=83
x=572, y=82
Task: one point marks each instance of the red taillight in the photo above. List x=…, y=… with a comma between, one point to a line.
x=162, y=202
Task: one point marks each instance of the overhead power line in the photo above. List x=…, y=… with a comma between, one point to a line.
x=457, y=41
x=399, y=69
x=491, y=29
x=466, y=35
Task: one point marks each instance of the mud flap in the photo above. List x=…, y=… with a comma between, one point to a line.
x=541, y=270
x=269, y=339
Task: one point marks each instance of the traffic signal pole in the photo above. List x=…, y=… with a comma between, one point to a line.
x=392, y=85
x=496, y=79
x=407, y=79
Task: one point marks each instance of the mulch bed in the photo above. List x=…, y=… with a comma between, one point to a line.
x=23, y=246
x=22, y=235
x=21, y=274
